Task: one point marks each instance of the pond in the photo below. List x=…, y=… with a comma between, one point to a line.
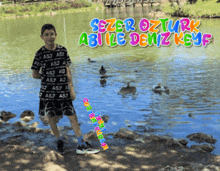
x=192, y=75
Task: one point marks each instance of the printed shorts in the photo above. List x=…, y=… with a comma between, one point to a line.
x=56, y=108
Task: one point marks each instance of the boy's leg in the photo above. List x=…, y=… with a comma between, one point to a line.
x=53, y=126
x=75, y=125
x=87, y=148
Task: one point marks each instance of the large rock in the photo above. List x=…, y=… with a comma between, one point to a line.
x=19, y=124
x=35, y=124
x=182, y=141
x=201, y=137
x=124, y=133
x=27, y=113
x=27, y=118
x=5, y=116
x=168, y=141
x=205, y=147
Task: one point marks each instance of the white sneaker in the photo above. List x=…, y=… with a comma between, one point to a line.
x=86, y=149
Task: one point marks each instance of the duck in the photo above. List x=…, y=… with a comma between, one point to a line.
x=158, y=88
x=90, y=60
x=128, y=89
x=102, y=71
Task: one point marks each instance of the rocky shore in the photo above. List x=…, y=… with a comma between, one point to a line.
x=26, y=147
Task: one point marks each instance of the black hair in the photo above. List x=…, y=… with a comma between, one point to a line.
x=47, y=27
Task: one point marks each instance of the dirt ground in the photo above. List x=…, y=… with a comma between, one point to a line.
x=136, y=156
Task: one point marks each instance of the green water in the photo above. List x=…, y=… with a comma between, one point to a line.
x=20, y=38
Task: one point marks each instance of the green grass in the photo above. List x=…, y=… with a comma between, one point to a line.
x=41, y=8
x=203, y=9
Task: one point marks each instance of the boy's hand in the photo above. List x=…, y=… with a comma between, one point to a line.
x=72, y=96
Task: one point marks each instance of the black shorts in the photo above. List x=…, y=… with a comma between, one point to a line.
x=56, y=108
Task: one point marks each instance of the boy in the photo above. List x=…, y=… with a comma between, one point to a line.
x=57, y=92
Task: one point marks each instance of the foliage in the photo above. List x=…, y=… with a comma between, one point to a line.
x=201, y=8
x=42, y=7
x=9, y=10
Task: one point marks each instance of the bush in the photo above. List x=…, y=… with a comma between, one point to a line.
x=55, y=6
x=63, y=6
x=10, y=10
x=33, y=8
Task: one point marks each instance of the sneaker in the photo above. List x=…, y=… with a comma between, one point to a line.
x=60, y=147
x=86, y=149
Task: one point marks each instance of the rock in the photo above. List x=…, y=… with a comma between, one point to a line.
x=27, y=113
x=180, y=168
x=52, y=156
x=196, y=166
x=5, y=116
x=201, y=137
x=67, y=128
x=19, y=124
x=35, y=124
x=22, y=129
x=43, y=149
x=105, y=118
x=90, y=136
x=170, y=142
x=38, y=130
x=47, y=131
x=27, y=118
x=31, y=129
x=182, y=141
x=182, y=163
x=204, y=147
x=211, y=167
x=125, y=133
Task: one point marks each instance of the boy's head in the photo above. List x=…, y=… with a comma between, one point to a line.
x=48, y=27
x=48, y=34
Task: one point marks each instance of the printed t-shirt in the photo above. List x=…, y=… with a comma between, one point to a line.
x=54, y=85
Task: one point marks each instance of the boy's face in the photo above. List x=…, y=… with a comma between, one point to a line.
x=49, y=37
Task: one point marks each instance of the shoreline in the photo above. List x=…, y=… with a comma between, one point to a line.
x=99, y=6
x=127, y=150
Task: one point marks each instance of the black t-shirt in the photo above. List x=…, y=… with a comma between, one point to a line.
x=54, y=85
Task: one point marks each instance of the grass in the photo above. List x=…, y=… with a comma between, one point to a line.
x=203, y=9
x=34, y=9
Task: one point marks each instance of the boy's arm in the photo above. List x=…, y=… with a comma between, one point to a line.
x=69, y=79
x=36, y=74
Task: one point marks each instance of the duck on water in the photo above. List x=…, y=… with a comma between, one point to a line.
x=89, y=60
x=102, y=71
x=158, y=88
x=128, y=90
